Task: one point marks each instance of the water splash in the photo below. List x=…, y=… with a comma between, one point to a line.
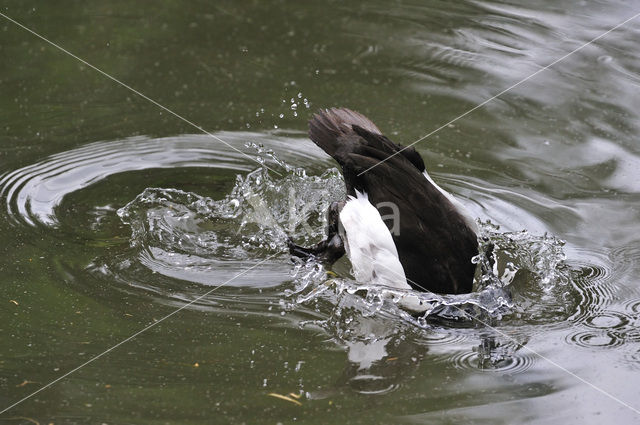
x=254, y=219
x=181, y=240
x=527, y=273
x=526, y=283
x=531, y=269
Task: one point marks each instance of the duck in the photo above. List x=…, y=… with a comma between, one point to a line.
x=397, y=227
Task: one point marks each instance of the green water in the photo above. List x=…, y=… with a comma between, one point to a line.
x=555, y=155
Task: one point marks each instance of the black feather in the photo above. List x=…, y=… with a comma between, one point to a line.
x=434, y=244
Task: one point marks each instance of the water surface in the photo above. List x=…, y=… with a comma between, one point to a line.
x=115, y=213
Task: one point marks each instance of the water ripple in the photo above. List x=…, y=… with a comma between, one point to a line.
x=608, y=320
x=491, y=361
x=32, y=193
x=593, y=339
x=633, y=307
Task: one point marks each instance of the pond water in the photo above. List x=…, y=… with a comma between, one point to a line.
x=145, y=274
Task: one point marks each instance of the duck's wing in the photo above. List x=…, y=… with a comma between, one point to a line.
x=434, y=243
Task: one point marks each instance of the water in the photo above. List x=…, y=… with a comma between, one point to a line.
x=116, y=213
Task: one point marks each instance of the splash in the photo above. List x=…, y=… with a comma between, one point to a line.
x=191, y=237
x=533, y=269
x=526, y=278
x=255, y=218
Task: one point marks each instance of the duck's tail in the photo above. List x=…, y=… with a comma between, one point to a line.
x=328, y=127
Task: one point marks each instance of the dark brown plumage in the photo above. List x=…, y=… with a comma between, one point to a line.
x=434, y=243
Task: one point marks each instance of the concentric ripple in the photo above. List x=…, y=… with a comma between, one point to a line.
x=596, y=283
x=372, y=384
x=608, y=320
x=496, y=361
x=31, y=194
x=633, y=307
x=443, y=336
x=177, y=239
x=596, y=339
x=602, y=322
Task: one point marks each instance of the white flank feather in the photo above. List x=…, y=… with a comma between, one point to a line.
x=369, y=245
